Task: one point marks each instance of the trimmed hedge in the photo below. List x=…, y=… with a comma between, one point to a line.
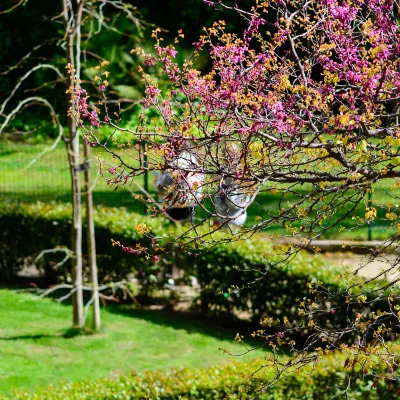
x=325, y=380
x=26, y=229
x=238, y=264
x=280, y=291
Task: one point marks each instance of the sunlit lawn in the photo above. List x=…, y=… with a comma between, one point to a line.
x=36, y=348
x=49, y=178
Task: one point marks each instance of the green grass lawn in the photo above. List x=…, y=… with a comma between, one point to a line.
x=36, y=348
x=48, y=179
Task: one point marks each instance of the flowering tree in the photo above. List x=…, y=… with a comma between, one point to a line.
x=307, y=95
x=305, y=104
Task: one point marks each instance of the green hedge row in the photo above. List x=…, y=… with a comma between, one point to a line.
x=26, y=229
x=325, y=380
x=241, y=265
x=275, y=291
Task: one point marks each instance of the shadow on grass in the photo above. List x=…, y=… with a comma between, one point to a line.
x=7, y=152
x=221, y=328
x=68, y=334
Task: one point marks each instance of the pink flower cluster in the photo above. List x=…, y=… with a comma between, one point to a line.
x=151, y=93
x=232, y=54
x=84, y=113
x=344, y=13
x=127, y=249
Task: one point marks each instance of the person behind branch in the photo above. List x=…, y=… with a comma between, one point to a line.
x=232, y=197
x=180, y=187
x=231, y=203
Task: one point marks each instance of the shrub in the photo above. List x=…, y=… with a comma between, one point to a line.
x=238, y=265
x=26, y=229
x=326, y=380
x=263, y=289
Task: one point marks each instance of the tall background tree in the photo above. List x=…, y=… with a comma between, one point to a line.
x=63, y=40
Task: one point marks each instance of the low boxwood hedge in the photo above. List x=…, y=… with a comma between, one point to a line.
x=26, y=229
x=324, y=380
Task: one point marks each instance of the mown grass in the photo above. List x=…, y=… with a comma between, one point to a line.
x=48, y=179
x=37, y=347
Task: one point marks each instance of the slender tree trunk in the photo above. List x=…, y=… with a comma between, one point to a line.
x=72, y=23
x=76, y=232
x=91, y=241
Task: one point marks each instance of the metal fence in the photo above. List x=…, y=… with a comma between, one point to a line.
x=29, y=173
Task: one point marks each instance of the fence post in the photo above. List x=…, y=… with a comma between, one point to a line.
x=370, y=223
x=146, y=172
x=145, y=166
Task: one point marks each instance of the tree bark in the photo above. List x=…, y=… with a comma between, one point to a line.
x=72, y=23
x=91, y=241
x=76, y=231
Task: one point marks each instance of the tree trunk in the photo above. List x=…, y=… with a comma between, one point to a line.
x=76, y=231
x=72, y=23
x=91, y=241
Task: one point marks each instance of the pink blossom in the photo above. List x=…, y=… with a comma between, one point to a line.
x=344, y=13
x=152, y=91
x=149, y=60
x=127, y=249
x=94, y=119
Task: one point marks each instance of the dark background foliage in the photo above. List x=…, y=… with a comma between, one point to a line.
x=38, y=23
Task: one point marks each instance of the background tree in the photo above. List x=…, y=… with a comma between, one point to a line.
x=71, y=45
